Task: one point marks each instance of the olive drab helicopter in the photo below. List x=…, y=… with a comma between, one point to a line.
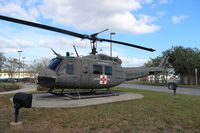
x=91, y=72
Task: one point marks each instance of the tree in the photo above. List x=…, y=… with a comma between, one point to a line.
x=38, y=65
x=154, y=62
x=11, y=65
x=2, y=60
x=184, y=62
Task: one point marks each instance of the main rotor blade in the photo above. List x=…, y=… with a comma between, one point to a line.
x=33, y=24
x=127, y=44
x=82, y=36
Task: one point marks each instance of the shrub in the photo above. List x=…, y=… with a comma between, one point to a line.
x=9, y=86
x=40, y=88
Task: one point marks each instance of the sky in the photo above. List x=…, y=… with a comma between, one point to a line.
x=157, y=24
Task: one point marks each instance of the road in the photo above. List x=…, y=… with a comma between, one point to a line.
x=180, y=90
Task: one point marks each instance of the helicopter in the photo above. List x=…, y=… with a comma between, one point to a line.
x=94, y=71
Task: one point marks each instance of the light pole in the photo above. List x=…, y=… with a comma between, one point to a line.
x=112, y=33
x=23, y=65
x=196, y=76
x=19, y=64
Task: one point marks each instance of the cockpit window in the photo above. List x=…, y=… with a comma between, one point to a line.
x=54, y=63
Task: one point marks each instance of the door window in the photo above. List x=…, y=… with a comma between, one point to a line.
x=108, y=70
x=97, y=69
x=70, y=68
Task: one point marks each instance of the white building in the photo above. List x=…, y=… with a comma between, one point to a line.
x=6, y=75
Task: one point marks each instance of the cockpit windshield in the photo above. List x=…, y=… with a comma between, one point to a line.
x=54, y=63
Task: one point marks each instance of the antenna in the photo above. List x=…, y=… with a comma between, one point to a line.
x=75, y=50
x=55, y=52
x=95, y=34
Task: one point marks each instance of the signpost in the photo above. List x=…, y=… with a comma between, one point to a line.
x=19, y=65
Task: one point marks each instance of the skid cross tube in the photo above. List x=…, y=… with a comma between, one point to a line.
x=84, y=95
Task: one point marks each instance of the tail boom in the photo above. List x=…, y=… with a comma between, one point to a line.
x=139, y=72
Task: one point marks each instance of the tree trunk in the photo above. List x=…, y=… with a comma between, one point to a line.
x=181, y=78
x=185, y=79
x=190, y=77
x=156, y=78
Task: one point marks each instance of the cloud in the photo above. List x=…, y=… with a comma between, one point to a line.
x=99, y=14
x=16, y=10
x=178, y=19
x=133, y=62
x=12, y=45
x=116, y=15
x=62, y=45
x=52, y=41
x=161, y=14
x=16, y=43
x=159, y=3
x=146, y=1
x=126, y=61
x=164, y=1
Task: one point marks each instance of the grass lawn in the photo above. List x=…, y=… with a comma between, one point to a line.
x=9, y=86
x=156, y=112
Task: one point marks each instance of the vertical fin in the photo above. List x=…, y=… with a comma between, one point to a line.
x=164, y=61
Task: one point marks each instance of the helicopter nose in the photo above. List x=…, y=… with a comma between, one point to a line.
x=47, y=78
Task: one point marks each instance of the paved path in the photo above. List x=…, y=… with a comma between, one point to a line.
x=180, y=90
x=46, y=100
x=27, y=87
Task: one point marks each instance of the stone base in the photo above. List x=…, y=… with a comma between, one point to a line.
x=16, y=125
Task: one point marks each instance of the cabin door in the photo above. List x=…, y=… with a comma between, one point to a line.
x=84, y=73
x=69, y=76
x=96, y=73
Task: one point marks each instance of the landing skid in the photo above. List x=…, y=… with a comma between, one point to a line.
x=84, y=95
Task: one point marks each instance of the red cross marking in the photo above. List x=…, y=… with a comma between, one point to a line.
x=103, y=79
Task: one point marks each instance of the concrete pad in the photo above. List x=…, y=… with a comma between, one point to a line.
x=46, y=100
